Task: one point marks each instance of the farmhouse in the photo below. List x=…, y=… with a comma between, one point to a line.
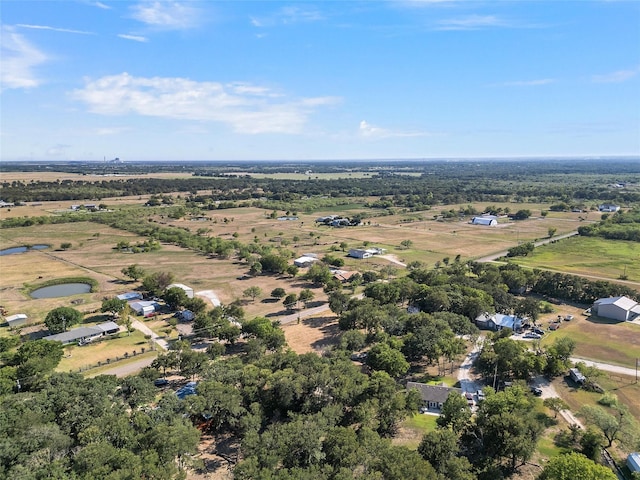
x=342, y=275
x=498, y=321
x=608, y=207
x=616, y=308
x=433, y=396
x=305, y=261
x=182, y=286
x=366, y=253
x=16, y=320
x=84, y=334
x=488, y=220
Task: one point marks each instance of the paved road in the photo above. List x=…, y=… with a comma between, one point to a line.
x=123, y=370
x=467, y=384
x=549, y=391
x=607, y=367
x=161, y=342
x=494, y=256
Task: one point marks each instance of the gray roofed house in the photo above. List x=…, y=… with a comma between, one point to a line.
x=433, y=396
x=84, y=334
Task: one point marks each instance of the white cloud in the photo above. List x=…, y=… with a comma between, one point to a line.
x=247, y=109
x=135, y=38
x=288, y=16
x=169, y=15
x=525, y=83
x=53, y=29
x=473, y=22
x=105, y=131
x=616, y=77
x=371, y=131
x=101, y=5
x=58, y=150
x=19, y=60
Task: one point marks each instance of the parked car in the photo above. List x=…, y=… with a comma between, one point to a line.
x=568, y=318
x=532, y=335
x=161, y=382
x=538, y=331
x=469, y=397
x=536, y=391
x=554, y=326
x=481, y=395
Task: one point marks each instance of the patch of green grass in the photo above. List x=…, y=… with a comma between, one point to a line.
x=421, y=421
x=548, y=448
x=587, y=256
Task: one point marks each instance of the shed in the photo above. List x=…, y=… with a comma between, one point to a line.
x=488, y=220
x=616, y=308
x=188, y=290
x=433, y=396
x=144, y=308
x=16, y=320
x=130, y=296
x=633, y=462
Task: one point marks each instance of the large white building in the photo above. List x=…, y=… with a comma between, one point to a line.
x=188, y=290
x=616, y=308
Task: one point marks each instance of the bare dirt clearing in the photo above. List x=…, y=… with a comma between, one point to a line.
x=313, y=334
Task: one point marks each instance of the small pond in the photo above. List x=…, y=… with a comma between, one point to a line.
x=12, y=250
x=62, y=290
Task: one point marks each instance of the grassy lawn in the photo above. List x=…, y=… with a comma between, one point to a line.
x=413, y=428
x=76, y=357
x=588, y=256
x=601, y=340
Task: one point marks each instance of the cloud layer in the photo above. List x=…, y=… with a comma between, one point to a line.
x=246, y=108
x=19, y=61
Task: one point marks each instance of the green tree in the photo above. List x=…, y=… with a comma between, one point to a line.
x=290, y=301
x=60, y=319
x=114, y=306
x=383, y=357
x=175, y=297
x=556, y=404
x=551, y=232
x=65, y=245
x=455, y=413
x=306, y=296
x=278, y=292
x=252, y=292
x=574, y=466
x=440, y=448
x=616, y=426
x=134, y=272
x=157, y=283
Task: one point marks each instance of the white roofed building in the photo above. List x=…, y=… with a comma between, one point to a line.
x=616, y=308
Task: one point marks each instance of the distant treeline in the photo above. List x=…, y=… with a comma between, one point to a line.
x=620, y=226
x=438, y=183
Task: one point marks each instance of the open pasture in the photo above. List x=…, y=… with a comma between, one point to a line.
x=588, y=256
x=597, y=339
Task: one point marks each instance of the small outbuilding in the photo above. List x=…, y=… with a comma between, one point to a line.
x=608, y=207
x=487, y=220
x=145, y=308
x=17, y=320
x=633, y=462
x=616, y=308
x=129, y=296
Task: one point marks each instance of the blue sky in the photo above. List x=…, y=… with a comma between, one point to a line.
x=244, y=80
